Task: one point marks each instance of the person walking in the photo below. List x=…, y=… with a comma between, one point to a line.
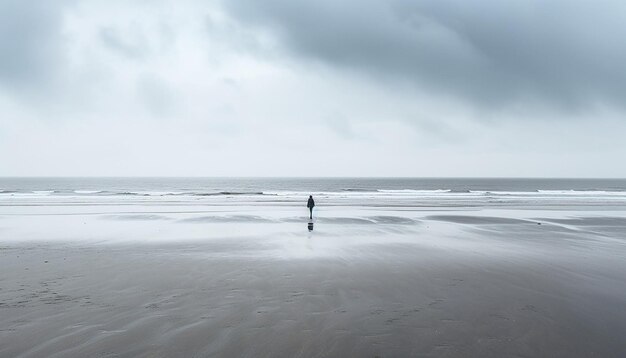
x=310, y=204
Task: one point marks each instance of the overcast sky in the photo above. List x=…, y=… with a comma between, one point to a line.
x=313, y=88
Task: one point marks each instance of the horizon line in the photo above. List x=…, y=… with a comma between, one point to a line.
x=300, y=177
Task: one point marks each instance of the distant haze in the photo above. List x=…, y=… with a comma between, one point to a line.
x=313, y=88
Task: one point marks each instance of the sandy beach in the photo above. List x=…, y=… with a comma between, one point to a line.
x=166, y=279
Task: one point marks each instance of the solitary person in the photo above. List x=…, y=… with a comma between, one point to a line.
x=310, y=204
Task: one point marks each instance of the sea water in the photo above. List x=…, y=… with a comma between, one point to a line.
x=329, y=191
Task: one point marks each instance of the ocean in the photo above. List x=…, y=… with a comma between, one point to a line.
x=225, y=186
x=329, y=191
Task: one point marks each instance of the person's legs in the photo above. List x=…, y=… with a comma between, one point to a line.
x=310, y=213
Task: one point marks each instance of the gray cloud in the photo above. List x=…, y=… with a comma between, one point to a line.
x=242, y=87
x=562, y=54
x=30, y=41
x=116, y=42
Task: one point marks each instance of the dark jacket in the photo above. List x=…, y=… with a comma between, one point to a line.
x=310, y=203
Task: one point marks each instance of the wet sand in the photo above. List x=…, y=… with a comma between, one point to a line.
x=496, y=283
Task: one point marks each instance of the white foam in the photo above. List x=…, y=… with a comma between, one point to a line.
x=414, y=191
x=582, y=192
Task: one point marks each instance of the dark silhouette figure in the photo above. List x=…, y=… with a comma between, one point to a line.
x=310, y=204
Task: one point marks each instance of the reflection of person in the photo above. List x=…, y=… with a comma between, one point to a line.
x=310, y=204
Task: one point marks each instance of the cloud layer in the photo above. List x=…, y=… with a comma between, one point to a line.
x=312, y=88
x=30, y=41
x=561, y=53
